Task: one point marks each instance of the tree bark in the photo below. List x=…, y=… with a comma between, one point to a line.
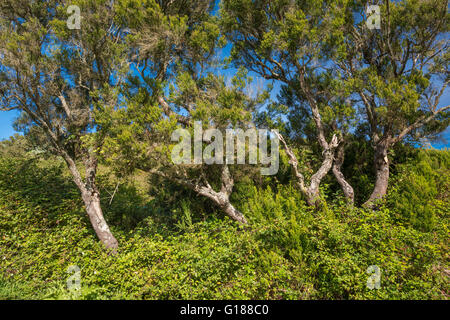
x=91, y=200
x=311, y=191
x=381, y=162
x=233, y=213
x=345, y=186
x=95, y=214
x=222, y=200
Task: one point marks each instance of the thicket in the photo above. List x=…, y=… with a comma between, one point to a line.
x=175, y=246
x=93, y=181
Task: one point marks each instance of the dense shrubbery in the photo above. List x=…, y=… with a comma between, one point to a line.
x=174, y=251
x=421, y=190
x=103, y=107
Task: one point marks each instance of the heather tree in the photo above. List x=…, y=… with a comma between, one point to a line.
x=174, y=82
x=291, y=42
x=398, y=75
x=59, y=79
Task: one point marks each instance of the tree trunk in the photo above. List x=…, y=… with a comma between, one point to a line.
x=313, y=191
x=381, y=162
x=95, y=214
x=222, y=200
x=91, y=199
x=233, y=213
x=345, y=186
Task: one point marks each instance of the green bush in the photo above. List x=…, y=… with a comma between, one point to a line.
x=287, y=252
x=419, y=191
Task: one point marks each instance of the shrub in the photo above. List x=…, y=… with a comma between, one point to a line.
x=287, y=252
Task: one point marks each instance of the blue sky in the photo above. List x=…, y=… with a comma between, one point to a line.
x=7, y=119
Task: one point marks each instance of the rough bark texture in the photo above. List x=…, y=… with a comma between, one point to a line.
x=345, y=186
x=222, y=198
x=381, y=162
x=95, y=213
x=233, y=213
x=91, y=199
x=311, y=192
x=313, y=189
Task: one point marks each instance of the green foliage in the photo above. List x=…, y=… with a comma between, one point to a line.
x=420, y=190
x=106, y=98
x=288, y=252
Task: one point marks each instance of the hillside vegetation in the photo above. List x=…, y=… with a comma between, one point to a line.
x=181, y=249
x=224, y=149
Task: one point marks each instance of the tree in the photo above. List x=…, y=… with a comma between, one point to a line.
x=337, y=116
x=398, y=74
x=58, y=79
x=212, y=105
x=172, y=86
x=290, y=42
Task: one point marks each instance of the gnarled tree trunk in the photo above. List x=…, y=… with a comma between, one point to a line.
x=91, y=199
x=95, y=214
x=345, y=186
x=234, y=213
x=312, y=191
x=222, y=198
x=381, y=163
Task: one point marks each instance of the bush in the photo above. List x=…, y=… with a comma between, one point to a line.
x=420, y=190
x=287, y=252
